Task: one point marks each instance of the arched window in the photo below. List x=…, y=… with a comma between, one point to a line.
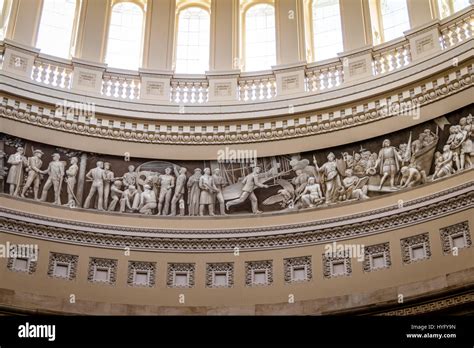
x=448, y=7
x=260, y=44
x=124, y=45
x=192, y=48
x=394, y=17
x=327, y=30
x=55, y=35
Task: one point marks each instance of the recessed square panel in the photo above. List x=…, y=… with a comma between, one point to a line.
x=259, y=277
x=378, y=261
x=220, y=279
x=418, y=252
x=181, y=279
x=20, y=264
x=141, y=278
x=101, y=275
x=299, y=273
x=459, y=241
x=338, y=268
x=61, y=270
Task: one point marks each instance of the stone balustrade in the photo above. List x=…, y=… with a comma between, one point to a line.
x=166, y=88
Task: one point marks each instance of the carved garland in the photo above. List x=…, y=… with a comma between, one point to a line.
x=428, y=92
x=316, y=236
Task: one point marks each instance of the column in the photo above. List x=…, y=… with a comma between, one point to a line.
x=25, y=17
x=93, y=30
x=289, y=31
x=159, y=35
x=222, y=53
x=420, y=12
x=355, y=24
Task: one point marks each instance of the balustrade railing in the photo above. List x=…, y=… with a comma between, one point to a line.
x=52, y=73
x=319, y=78
x=250, y=87
x=121, y=86
x=257, y=88
x=189, y=91
x=391, y=57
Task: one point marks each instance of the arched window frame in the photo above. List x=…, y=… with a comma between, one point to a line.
x=182, y=5
x=74, y=32
x=142, y=5
x=309, y=30
x=246, y=5
x=376, y=18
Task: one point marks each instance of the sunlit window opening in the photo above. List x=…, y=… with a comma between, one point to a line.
x=192, y=51
x=56, y=27
x=449, y=7
x=124, y=45
x=327, y=31
x=3, y=18
x=260, y=45
x=395, y=19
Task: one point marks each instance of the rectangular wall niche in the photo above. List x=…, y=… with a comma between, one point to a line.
x=141, y=274
x=336, y=266
x=22, y=264
x=181, y=275
x=455, y=237
x=63, y=266
x=258, y=273
x=376, y=257
x=220, y=275
x=102, y=271
x=297, y=269
x=415, y=248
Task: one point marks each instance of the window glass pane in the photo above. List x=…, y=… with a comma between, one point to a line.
x=125, y=36
x=394, y=18
x=192, y=51
x=458, y=5
x=56, y=27
x=327, y=31
x=260, y=45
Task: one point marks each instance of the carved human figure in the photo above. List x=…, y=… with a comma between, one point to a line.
x=411, y=176
x=208, y=189
x=443, y=163
x=429, y=138
x=147, y=201
x=34, y=173
x=389, y=162
x=108, y=180
x=417, y=145
x=166, y=182
x=351, y=189
x=300, y=181
x=456, y=140
x=130, y=199
x=130, y=178
x=194, y=192
x=97, y=176
x=55, y=173
x=331, y=178
x=17, y=163
x=115, y=194
x=219, y=183
x=467, y=148
x=312, y=194
x=179, y=191
x=250, y=182
x=71, y=174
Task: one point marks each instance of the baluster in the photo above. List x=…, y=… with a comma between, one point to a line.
x=136, y=89
x=241, y=90
x=205, y=92
x=36, y=71
x=174, y=86
x=273, y=90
